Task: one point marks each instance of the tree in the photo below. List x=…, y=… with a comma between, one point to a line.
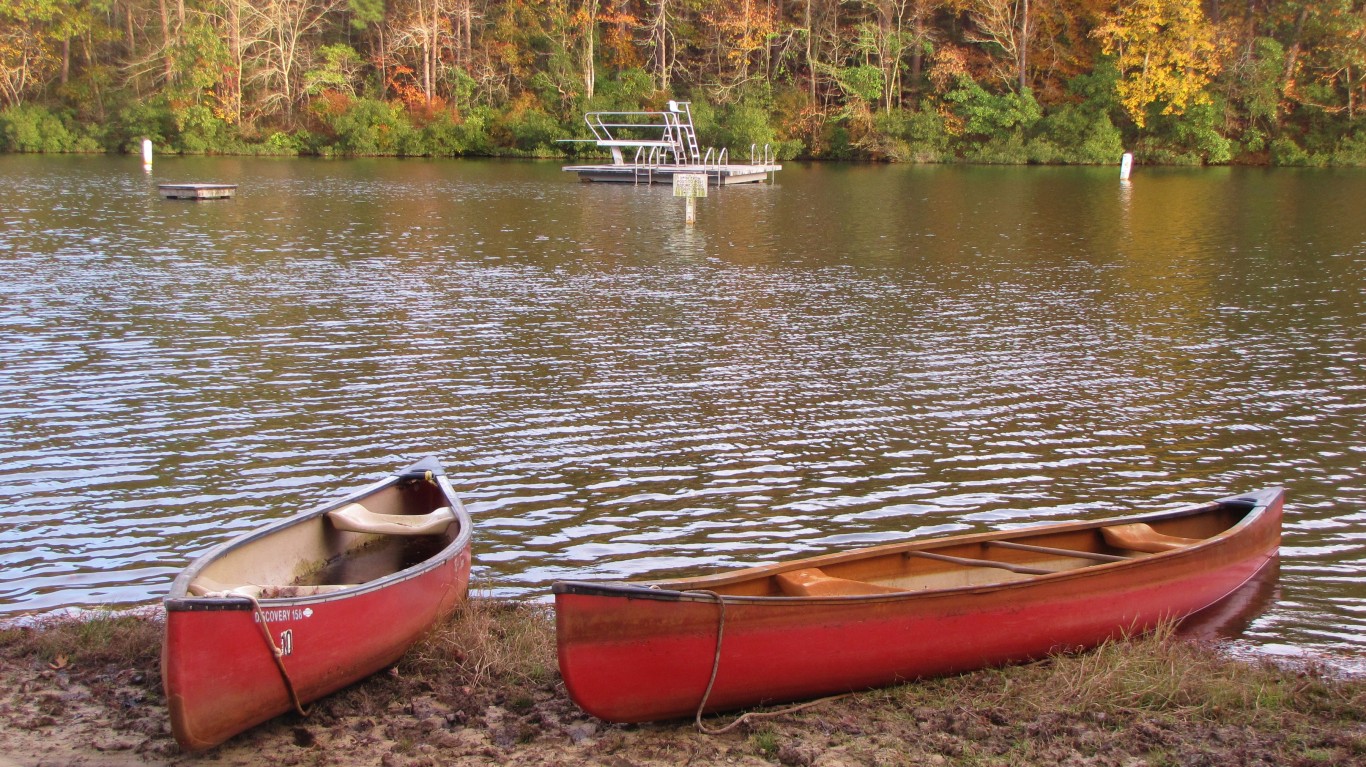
x=660, y=41
x=1006, y=24
x=367, y=15
x=1325, y=54
x=1165, y=52
x=586, y=17
x=740, y=31
x=283, y=34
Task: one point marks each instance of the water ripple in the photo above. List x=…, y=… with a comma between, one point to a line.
x=937, y=351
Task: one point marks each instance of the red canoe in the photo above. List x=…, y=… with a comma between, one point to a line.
x=341, y=592
x=877, y=616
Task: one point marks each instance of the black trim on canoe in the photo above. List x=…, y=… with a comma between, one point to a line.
x=429, y=465
x=207, y=604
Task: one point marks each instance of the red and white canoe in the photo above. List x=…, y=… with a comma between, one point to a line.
x=877, y=616
x=302, y=607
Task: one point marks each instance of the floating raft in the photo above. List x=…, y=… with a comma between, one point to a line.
x=717, y=175
x=197, y=191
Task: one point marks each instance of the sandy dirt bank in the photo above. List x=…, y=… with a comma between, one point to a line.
x=97, y=701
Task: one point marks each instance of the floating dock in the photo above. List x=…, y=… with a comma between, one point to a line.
x=197, y=191
x=643, y=173
x=664, y=144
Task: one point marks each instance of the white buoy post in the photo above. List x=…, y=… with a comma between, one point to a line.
x=1126, y=164
x=690, y=186
x=147, y=152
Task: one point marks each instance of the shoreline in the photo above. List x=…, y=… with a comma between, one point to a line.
x=589, y=157
x=483, y=689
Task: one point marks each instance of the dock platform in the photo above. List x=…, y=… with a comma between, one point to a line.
x=665, y=145
x=644, y=173
x=197, y=191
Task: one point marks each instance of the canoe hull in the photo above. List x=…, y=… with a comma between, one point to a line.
x=219, y=673
x=632, y=654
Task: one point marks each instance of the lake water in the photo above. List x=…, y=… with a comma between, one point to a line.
x=853, y=355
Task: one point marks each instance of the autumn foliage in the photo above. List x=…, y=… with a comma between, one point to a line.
x=1045, y=81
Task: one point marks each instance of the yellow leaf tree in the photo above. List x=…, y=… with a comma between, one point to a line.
x=1166, y=55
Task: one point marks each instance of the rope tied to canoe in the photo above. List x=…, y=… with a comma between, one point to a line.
x=716, y=666
x=278, y=654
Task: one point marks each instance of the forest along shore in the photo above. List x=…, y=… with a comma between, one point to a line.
x=992, y=81
x=483, y=689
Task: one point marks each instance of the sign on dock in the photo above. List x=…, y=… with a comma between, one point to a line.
x=690, y=185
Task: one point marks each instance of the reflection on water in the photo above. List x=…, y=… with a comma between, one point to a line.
x=856, y=354
x=1229, y=618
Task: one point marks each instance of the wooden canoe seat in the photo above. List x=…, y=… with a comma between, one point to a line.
x=813, y=582
x=1142, y=537
x=355, y=518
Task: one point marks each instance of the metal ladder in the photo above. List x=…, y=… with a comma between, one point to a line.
x=688, y=133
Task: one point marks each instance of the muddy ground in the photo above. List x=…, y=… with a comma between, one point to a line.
x=1158, y=702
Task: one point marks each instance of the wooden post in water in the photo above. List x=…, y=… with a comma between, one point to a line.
x=690, y=186
x=1126, y=164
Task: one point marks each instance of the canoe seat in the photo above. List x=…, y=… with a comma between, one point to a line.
x=203, y=587
x=813, y=582
x=1142, y=537
x=355, y=518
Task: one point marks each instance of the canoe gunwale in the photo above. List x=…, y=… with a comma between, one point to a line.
x=178, y=598
x=662, y=590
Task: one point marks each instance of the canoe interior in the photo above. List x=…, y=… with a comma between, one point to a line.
x=965, y=561
x=312, y=553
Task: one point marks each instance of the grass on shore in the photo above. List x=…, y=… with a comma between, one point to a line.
x=97, y=638
x=1159, y=699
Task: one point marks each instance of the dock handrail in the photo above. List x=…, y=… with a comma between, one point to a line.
x=662, y=130
x=669, y=131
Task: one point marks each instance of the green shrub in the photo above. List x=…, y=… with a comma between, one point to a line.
x=992, y=115
x=138, y=120
x=1186, y=139
x=369, y=127
x=1075, y=134
x=1284, y=151
x=474, y=131
x=1197, y=131
x=199, y=131
x=913, y=136
x=441, y=137
x=282, y=143
x=1351, y=151
x=835, y=142
x=1007, y=149
x=31, y=128
x=745, y=126
x=530, y=131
